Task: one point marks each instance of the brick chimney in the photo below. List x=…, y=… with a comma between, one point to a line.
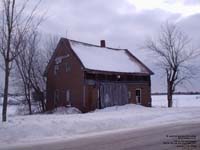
x=103, y=43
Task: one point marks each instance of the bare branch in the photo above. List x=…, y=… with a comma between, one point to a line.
x=174, y=53
x=14, y=30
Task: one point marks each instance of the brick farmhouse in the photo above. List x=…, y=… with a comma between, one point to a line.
x=89, y=77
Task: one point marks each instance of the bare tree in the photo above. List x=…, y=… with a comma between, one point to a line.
x=25, y=63
x=37, y=80
x=31, y=64
x=42, y=57
x=174, y=53
x=49, y=45
x=14, y=26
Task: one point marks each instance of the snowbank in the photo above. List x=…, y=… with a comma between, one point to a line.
x=12, y=100
x=66, y=110
x=20, y=129
x=11, y=110
x=157, y=101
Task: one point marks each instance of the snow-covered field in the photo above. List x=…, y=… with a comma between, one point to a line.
x=157, y=101
x=178, y=101
x=48, y=127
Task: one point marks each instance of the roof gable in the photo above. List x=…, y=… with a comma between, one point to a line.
x=103, y=59
x=98, y=58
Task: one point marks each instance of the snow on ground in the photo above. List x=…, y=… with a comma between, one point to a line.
x=178, y=101
x=12, y=110
x=47, y=127
x=66, y=110
x=12, y=100
x=157, y=101
x=37, y=128
x=17, y=110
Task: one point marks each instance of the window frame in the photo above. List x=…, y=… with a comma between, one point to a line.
x=56, y=97
x=56, y=69
x=140, y=96
x=129, y=94
x=68, y=96
x=67, y=67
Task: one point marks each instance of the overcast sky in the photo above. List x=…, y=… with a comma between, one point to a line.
x=122, y=23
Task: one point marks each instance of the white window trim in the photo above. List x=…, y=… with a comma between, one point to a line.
x=129, y=94
x=140, y=95
x=84, y=101
x=68, y=97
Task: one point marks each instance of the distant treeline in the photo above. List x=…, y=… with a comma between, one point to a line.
x=177, y=93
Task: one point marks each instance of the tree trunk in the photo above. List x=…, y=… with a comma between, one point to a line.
x=29, y=104
x=42, y=100
x=29, y=99
x=5, y=97
x=27, y=96
x=169, y=97
x=29, y=107
x=169, y=94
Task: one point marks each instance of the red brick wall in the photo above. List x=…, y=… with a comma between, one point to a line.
x=145, y=93
x=72, y=80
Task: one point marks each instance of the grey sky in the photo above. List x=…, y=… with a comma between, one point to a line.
x=122, y=23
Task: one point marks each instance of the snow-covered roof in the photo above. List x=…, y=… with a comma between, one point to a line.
x=107, y=59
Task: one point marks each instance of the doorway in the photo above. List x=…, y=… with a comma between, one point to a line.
x=112, y=94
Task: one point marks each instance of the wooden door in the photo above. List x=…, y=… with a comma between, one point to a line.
x=92, y=97
x=112, y=94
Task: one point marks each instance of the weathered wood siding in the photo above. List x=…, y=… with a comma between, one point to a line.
x=112, y=94
x=105, y=94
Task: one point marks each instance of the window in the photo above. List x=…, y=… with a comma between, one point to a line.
x=56, y=98
x=129, y=94
x=138, y=96
x=84, y=102
x=68, y=67
x=56, y=68
x=68, y=97
x=98, y=93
